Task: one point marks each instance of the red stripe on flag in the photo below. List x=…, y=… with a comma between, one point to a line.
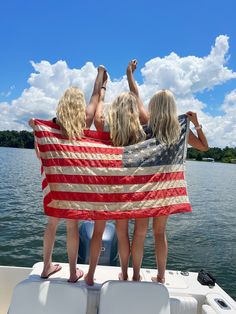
x=47, y=123
x=81, y=163
x=103, y=136
x=44, y=184
x=41, y=134
x=107, y=215
x=78, y=179
x=98, y=138
x=118, y=197
x=80, y=149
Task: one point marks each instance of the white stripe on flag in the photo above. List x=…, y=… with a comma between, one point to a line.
x=132, y=171
x=126, y=188
x=122, y=206
x=87, y=156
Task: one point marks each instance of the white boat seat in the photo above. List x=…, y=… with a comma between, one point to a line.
x=207, y=309
x=48, y=297
x=118, y=297
x=183, y=305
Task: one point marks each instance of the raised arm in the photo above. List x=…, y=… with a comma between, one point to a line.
x=143, y=116
x=99, y=119
x=199, y=142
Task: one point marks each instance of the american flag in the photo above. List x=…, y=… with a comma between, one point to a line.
x=88, y=178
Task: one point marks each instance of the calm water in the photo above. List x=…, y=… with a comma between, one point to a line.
x=204, y=239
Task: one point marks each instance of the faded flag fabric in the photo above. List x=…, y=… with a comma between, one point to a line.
x=88, y=178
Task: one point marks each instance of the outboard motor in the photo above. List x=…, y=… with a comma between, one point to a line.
x=109, y=250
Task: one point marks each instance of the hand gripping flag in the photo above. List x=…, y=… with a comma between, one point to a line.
x=88, y=178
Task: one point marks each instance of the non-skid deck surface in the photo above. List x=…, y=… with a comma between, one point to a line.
x=103, y=273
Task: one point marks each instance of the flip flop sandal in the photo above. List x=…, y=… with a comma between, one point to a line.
x=58, y=268
x=81, y=274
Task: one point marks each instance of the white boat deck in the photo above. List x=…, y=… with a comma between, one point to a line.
x=180, y=287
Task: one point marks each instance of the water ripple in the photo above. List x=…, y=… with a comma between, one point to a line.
x=204, y=238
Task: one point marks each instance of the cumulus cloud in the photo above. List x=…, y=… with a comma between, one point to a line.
x=189, y=75
x=185, y=76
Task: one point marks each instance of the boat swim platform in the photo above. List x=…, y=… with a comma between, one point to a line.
x=186, y=294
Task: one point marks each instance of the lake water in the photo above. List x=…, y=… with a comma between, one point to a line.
x=205, y=238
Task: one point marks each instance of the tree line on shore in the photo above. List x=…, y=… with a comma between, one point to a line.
x=25, y=139
x=21, y=139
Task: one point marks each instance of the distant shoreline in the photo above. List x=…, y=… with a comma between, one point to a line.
x=25, y=139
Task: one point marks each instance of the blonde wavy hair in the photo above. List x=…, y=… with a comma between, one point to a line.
x=123, y=120
x=71, y=112
x=163, y=117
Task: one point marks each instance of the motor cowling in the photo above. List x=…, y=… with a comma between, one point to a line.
x=109, y=250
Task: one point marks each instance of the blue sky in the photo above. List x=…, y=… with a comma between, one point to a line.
x=107, y=32
x=112, y=33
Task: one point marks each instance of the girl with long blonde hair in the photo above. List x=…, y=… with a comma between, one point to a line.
x=73, y=117
x=71, y=113
x=163, y=119
x=123, y=123
x=165, y=127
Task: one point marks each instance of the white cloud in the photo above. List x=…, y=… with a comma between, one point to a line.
x=188, y=75
x=185, y=76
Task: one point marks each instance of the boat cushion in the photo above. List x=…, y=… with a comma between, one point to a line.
x=48, y=297
x=118, y=297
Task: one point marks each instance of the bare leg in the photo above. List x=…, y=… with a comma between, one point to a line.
x=99, y=115
x=123, y=246
x=48, y=244
x=72, y=239
x=91, y=108
x=95, y=249
x=161, y=246
x=140, y=231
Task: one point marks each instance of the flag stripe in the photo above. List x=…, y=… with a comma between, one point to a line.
x=51, y=127
x=46, y=190
x=109, y=172
x=107, y=215
x=44, y=183
x=123, y=180
x=86, y=137
x=86, y=156
x=79, y=149
x=82, y=142
x=123, y=206
x=45, y=124
x=112, y=188
x=118, y=197
x=81, y=163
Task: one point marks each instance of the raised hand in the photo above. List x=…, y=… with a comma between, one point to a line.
x=132, y=66
x=193, y=117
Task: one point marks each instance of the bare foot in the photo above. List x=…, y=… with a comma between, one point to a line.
x=101, y=68
x=52, y=269
x=158, y=279
x=139, y=278
x=104, y=80
x=121, y=277
x=79, y=274
x=89, y=280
